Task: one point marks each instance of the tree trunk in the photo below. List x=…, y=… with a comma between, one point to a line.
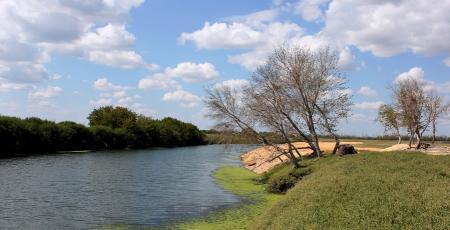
x=411, y=137
x=399, y=139
x=336, y=145
x=419, y=140
x=434, y=133
x=293, y=159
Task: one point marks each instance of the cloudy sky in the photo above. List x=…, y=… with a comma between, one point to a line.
x=59, y=59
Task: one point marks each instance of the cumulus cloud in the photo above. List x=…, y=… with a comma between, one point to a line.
x=33, y=31
x=347, y=60
x=367, y=91
x=158, y=81
x=418, y=74
x=48, y=92
x=104, y=84
x=374, y=26
x=223, y=36
x=310, y=10
x=186, y=99
x=415, y=73
x=193, y=72
x=186, y=71
x=368, y=105
x=257, y=31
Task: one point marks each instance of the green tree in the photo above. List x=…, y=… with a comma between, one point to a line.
x=390, y=119
x=113, y=117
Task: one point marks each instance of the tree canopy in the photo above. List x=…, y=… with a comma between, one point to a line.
x=110, y=128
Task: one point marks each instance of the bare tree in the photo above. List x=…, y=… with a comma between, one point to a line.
x=390, y=119
x=297, y=93
x=437, y=108
x=226, y=106
x=314, y=93
x=413, y=104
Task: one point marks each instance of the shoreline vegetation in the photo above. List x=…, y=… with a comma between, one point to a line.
x=381, y=190
x=109, y=128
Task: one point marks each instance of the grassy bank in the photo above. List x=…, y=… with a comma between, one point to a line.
x=401, y=190
x=243, y=183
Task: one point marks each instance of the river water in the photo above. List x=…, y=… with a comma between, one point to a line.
x=93, y=190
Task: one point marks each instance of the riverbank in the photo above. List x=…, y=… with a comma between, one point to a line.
x=370, y=190
x=243, y=183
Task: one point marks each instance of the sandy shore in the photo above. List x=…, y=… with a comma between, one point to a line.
x=263, y=159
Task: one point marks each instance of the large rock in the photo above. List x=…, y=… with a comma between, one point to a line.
x=346, y=149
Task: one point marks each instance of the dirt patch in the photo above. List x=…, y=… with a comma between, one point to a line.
x=398, y=147
x=438, y=151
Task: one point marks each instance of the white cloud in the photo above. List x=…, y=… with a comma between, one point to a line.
x=48, y=92
x=429, y=86
x=101, y=102
x=32, y=31
x=223, y=36
x=158, y=81
x=347, y=61
x=374, y=26
x=415, y=73
x=193, y=72
x=368, y=105
x=119, y=58
x=310, y=10
x=186, y=71
x=186, y=99
x=447, y=61
x=104, y=84
x=367, y=91
x=235, y=84
x=256, y=31
x=7, y=87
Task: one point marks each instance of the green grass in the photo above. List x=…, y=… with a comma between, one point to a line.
x=403, y=190
x=241, y=182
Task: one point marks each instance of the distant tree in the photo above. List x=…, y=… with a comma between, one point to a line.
x=113, y=117
x=437, y=108
x=390, y=119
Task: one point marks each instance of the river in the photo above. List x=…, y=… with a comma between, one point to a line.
x=92, y=190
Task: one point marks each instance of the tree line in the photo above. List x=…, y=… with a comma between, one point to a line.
x=109, y=128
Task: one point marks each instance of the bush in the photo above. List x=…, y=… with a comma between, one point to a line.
x=281, y=182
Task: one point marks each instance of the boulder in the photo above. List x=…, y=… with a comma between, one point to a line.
x=346, y=149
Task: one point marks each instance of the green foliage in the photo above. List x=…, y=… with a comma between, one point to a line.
x=389, y=118
x=111, y=128
x=113, y=117
x=281, y=182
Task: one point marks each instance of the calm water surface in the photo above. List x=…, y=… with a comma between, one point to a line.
x=138, y=188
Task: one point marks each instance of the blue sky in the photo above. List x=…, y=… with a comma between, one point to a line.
x=60, y=59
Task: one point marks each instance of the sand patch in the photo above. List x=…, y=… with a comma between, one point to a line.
x=262, y=159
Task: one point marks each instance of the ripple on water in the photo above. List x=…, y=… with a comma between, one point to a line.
x=89, y=190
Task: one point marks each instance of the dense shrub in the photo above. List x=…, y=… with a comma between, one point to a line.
x=281, y=182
